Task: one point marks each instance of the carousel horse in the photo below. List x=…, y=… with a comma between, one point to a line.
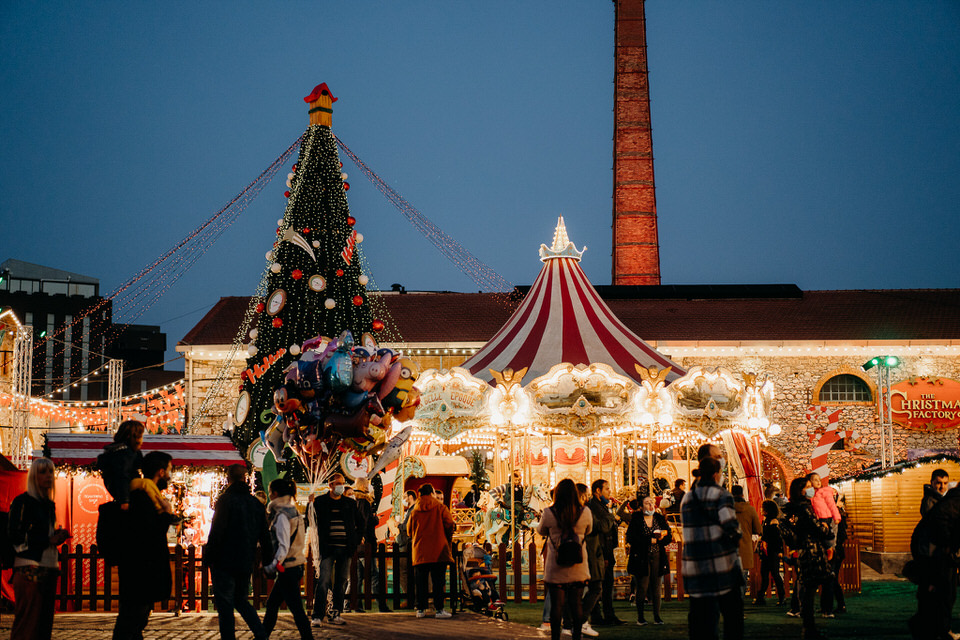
x=497, y=518
x=484, y=503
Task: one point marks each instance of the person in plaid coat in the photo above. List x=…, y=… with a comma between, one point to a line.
x=711, y=563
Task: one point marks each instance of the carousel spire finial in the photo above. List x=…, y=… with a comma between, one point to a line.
x=562, y=247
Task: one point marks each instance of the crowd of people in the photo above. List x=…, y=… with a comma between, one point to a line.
x=721, y=531
x=722, y=535
x=139, y=517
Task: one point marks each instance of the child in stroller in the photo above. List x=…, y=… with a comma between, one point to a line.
x=480, y=592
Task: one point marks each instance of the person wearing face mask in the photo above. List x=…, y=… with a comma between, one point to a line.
x=806, y=536
x=337, y=525
x=648, y=536
x=144, y=566
x=605, y=524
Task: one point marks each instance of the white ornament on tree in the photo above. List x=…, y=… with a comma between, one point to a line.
x=253, y=334
x=359, y=238
x=330, y=303
x=363, y=280
x=316, y=244
x=294, y=349
x=269, y=256
x=275, y=267
x=252, y=350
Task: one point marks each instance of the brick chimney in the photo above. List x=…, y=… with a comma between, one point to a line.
x=636, y=249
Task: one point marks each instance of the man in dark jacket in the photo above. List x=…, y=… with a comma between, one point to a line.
x=366, y=498
x=934, y=543
x=239, y=523
x=338, y=525
x=145, y=561
x=606, y=526
x=939, y=481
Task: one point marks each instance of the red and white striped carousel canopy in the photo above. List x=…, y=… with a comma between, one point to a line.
x=563, y=319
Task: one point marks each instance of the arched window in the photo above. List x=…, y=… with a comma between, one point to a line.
x=845, y=388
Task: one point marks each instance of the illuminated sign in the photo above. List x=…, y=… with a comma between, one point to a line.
x=926, y=404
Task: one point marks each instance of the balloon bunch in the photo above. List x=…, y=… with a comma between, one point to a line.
x=341, y=397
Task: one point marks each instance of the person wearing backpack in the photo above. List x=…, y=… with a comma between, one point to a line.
x=288, y=531
x=144, y=567
x=121, y=461
x=35, y=537
x=565, y=524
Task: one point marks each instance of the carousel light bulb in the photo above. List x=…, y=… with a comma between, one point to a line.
x=593, y=451
x=753, y=422
x=764, y=423
x=666, y=419
x=545, y=451
x=775, y=430
x=504, y=454
x=646, y=419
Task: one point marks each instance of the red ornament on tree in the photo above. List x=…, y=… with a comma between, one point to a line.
x=294, y=167
x=346, y=186
x=358, y=300
x=286, y=194
x=377, y=325
x=296, y=274
x=277, y=323
x=306, y=229
x=260, y=307
x=351, y=220
x=340, y=272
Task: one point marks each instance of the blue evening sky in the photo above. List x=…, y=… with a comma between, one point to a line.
x=815, y=143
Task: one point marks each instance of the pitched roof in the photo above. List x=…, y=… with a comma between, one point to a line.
x=563, y=319
x=667, y=314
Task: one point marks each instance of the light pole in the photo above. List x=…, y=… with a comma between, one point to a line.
x=883, y=364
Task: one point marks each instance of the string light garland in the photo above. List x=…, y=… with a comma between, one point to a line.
x=135, y=296
x=899, y=468
x=484, y=276
x=161, y=409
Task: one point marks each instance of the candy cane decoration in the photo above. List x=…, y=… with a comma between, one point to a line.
x=385, y=508
x=347, y=253
x=830, y=436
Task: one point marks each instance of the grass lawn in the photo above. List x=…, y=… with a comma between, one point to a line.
x=880, y=611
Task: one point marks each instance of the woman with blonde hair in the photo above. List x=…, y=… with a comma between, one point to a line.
x=35, y=537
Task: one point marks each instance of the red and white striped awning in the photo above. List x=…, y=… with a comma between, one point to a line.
x=564, y=319
x=81, y=449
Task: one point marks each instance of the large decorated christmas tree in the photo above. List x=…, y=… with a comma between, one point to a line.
x=315, y=286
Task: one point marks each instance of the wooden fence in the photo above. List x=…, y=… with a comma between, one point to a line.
x=519, y=578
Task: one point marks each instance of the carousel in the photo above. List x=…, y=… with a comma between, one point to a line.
x=565, y=390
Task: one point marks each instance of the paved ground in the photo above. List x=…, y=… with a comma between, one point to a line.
x=379, y=626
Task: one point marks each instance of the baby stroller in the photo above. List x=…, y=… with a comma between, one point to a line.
x=479, y=592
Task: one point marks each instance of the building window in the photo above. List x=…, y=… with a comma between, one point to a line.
x=845, y=388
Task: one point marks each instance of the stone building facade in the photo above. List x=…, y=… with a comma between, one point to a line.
x=802, y=340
